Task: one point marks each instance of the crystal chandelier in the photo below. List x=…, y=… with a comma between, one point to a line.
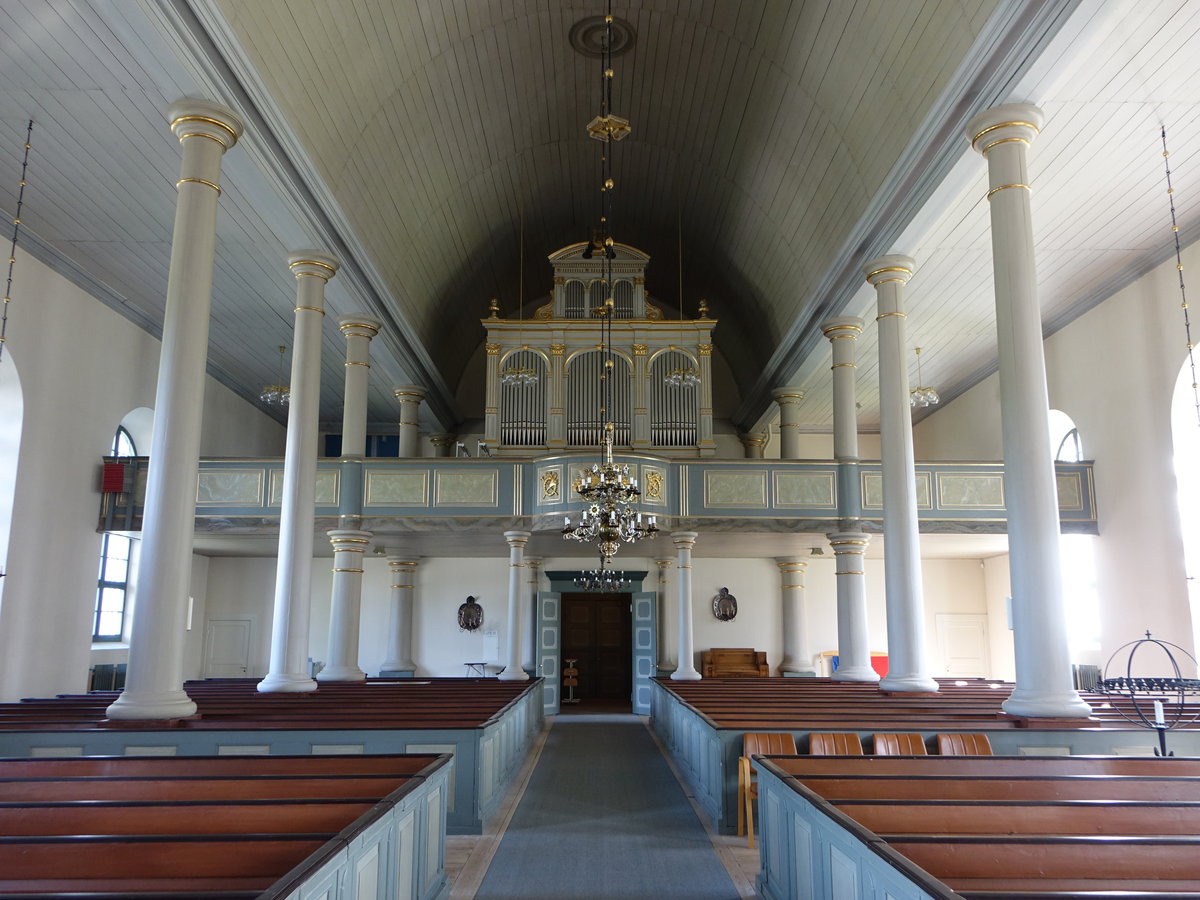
x=920, y=395
x=278, y=394
x=609, y=519
x=682, y=377
x=601, y=580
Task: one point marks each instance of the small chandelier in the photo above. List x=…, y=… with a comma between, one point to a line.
x=516, y=375
x=682, y=377
x=277, y=395
x=609, y=519
x=601, y=580
x=920, y=395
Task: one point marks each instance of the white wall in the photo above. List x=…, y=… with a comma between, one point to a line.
x=82, y=367
x=1113, y=371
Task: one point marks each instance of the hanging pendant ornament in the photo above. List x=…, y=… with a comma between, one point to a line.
x=1183, y=301
x=12, y=253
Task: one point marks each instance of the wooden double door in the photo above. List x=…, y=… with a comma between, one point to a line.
x=597, y=631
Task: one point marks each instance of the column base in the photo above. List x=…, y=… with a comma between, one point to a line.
x=397, y=673
x=286, y=684
x=341, y=673
x=855, y=673
x=688, y=674
x=1045, y=705
x=909, y=684
x=152, y=705
x=513, y=675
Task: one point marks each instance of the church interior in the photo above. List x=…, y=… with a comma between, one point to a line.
x=590, y=355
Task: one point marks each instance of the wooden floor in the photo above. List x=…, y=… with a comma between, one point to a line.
x=468, y=856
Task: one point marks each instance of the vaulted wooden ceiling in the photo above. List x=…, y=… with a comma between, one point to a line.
x=779, y=144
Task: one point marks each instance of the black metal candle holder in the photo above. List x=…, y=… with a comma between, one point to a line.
x=1165, y=696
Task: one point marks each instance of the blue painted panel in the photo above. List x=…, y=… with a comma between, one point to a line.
x=549, y=649
x=645, y=648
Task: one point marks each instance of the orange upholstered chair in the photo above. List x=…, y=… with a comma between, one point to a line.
x=964, y=745
x=834, y=743
x=899, y=745
x=764, y=744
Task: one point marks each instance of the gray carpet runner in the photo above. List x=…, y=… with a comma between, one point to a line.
x=603, y=818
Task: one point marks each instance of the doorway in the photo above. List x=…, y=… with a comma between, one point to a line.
x=597, y=632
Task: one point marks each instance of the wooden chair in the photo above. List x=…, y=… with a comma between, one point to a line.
x=964, y=745
x=763, y=743
x=834, y=743
x=911, y=744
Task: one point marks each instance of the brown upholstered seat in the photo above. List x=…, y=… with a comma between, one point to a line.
x=834, y=743
x=909, y=744
x=765, y=744
x=957, y=744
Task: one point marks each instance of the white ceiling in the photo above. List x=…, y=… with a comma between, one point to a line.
x=794, y=139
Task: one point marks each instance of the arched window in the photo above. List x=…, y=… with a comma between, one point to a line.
x=1077, y=554
x=1064, y=438
x=112, y=588
x=576, y=301
x=1185, y=439
x=623, y=299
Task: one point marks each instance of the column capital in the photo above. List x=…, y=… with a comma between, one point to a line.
x=887, y=269
x=684, y=540
x=791, y=564
x=846, y=327
x=663, y=565
x=403, y=560
x=349, y=539
x=1006, y=124
x=414, y=393
x=787, y=395
x=190, y=117
x=534, y=562
x=359, y=325
x=517, y=539
x=312, y=262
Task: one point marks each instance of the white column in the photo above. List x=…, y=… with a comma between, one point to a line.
x=293, y=578
x=686, y=668
x=516, y=589
x=410, y=397
x=849, y=542
x=854, y=647
x=443, y=444
x=754, y=444
x=901, y=540
x=668, y=616
x=797, y=657
x=789, y=400
x=399, y=660
x=1044, y=685
x=341, y=659
x=528, y=626
x=358, y=328
x=154, y=684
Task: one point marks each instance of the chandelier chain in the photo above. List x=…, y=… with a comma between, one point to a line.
x=12, y=253
x=1183, y=301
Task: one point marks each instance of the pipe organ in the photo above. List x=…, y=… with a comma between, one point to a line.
x=544, y=384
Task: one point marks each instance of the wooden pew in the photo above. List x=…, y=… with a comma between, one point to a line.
x=141, y=818
x=159, y=790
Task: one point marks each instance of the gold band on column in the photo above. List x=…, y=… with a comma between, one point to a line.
x=199, y=181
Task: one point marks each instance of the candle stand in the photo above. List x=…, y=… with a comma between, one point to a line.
x=1156, y=702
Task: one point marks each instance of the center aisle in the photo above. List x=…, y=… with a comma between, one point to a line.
x=603, y=818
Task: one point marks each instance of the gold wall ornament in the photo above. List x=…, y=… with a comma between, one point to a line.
x=492, y=349
x=558, y=349
x=550, y=484
x=704, y=349
x=639, y=349
x=655, y=482
x=545, y=311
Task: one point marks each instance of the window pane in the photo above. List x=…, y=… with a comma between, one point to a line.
x=123, y=444
x=110, y=625
x=115, y=570
x=112, y=599
x=118, y=547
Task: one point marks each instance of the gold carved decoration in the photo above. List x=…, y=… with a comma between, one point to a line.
x=558, y=349
x=639, y=349
x=654, y=485
x=492, y=349
x=550, y=484
x=704, y=349
x=653, y=313
x=545, y=312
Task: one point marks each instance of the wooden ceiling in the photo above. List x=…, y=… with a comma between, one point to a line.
x=784, y=142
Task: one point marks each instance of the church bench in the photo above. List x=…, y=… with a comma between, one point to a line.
x=1081, y=817
x=734, y=662
x=353, y=787
x=990, y=765
x=1115, y=787
x=174, y=766
x=140, y=818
